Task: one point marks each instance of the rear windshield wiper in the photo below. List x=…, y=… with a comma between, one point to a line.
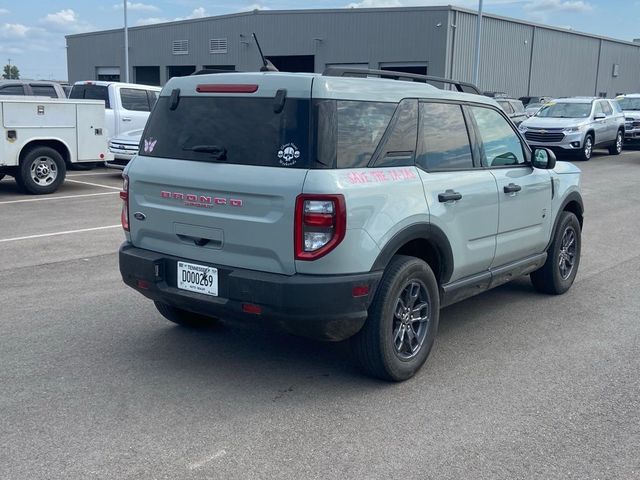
x=218, y=152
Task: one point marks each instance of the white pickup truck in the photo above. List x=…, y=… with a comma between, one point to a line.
x=127, y=105
x=43, y=136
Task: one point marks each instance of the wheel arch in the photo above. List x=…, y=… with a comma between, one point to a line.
x=572, y=203
x=424, y=241
x=56, y=144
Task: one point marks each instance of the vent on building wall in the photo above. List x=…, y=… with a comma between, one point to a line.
x=218, y=45
x=180, y=47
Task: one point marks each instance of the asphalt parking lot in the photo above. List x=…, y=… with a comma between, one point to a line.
x=95, y=384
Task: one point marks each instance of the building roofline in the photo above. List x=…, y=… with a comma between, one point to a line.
x=360, y=10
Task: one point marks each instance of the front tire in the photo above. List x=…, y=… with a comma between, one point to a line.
x=587, y=148
x=402, y=324
x=563, y=258
x=616, y=148
x=184, y=317
x=41, y=171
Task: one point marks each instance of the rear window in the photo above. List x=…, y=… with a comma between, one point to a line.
x=44, y=91
x=134, y=99
x=91, y=92
x=234, y=130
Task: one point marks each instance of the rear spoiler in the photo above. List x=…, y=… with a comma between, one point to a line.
x=463, y=87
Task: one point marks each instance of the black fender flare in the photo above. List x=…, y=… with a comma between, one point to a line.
x=572, y=197
x=419, y=231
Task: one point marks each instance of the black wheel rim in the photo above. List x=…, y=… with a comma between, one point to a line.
x=567, y=254
x=411, y=319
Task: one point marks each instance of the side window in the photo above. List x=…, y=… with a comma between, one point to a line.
x=152, y=97
x=506, y=106
x=517, y=106
x=443, y=139
x=607, y=108
x=598, y=109
x=398, y=147
x=500, y=144
x=134, y=99
x=44, y=91
x=12, y=90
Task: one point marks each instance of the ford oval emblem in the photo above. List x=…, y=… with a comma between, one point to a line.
x=139, y=216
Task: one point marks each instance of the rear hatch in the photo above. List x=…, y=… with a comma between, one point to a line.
x=222, y=159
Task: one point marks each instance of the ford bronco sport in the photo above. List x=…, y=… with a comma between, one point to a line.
x=338, y=207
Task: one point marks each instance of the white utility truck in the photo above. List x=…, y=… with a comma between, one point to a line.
x=41, y=137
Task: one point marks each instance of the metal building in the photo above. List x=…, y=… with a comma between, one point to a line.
x=518, y=57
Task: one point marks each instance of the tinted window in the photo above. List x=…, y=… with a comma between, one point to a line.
x=565, y=110
x=44, y=91
x=443, y=140
x=399, y=146
x=349, y=132
x=91, y=92
x=134, y=99
x=230, y=130
x=12, y=90
x=500, y=144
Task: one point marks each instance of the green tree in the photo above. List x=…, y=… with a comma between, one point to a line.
x=11, y=72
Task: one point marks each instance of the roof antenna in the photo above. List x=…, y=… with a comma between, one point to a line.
x=267, y=66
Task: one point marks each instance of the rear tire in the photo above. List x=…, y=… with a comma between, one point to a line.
x=41, y=171
x=184, y=317
x=616, y=148
x=563, y=258
x=587, y=148
x=403, y=321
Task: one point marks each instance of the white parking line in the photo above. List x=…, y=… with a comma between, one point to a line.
x=67, y=232
x=95, y=184
x=113, y=172
x=42, y=199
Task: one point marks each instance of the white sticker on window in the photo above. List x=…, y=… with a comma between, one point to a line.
x=288, y=154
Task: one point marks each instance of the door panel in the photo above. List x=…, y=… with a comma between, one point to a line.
x=525, y=216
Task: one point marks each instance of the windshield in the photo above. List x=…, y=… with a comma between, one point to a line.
x=627, y=103
x=565, y=110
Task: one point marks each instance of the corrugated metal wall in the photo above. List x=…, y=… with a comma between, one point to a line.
x=345, y=36
x=505, y=53
x=524, y=59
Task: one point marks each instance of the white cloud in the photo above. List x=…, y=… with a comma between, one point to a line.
x=199, y=12
x=551, y=6
x=66, y=21
x=13, y=30
x=3, y=11
x=137, y=6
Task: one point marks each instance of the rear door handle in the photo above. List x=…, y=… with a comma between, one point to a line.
x=512, y=188
x=126, y=119
x=449, y=196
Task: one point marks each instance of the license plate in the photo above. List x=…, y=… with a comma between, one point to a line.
x=198, y=278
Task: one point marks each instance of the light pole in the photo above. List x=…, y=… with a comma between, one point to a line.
x=126, y=45
x=476, y=62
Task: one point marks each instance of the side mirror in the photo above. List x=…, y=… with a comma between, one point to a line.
x=544, y=159
x=599, y=117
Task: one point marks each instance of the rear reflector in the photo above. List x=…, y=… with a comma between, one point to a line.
x=251, y=308
x=227, y=88
x=143, y=284
x=360, y=291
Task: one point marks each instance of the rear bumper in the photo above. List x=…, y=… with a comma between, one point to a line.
x=316, y=306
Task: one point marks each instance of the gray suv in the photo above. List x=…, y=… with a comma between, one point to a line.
x=337, y=208
x=630, y=105
x=576, y=126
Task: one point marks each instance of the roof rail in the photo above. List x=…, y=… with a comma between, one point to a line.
x=414, y=77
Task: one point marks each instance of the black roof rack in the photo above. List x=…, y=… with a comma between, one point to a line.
x=414, y=77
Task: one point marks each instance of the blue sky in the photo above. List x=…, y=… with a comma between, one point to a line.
x=32, y=31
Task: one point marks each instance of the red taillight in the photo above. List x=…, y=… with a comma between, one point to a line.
x=320, y=225
x=124, y=195
x=251, y=308
x=226, y=88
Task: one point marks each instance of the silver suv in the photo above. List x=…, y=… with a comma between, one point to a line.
x=576, y=126
x=338, y=208
x=630, y=106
